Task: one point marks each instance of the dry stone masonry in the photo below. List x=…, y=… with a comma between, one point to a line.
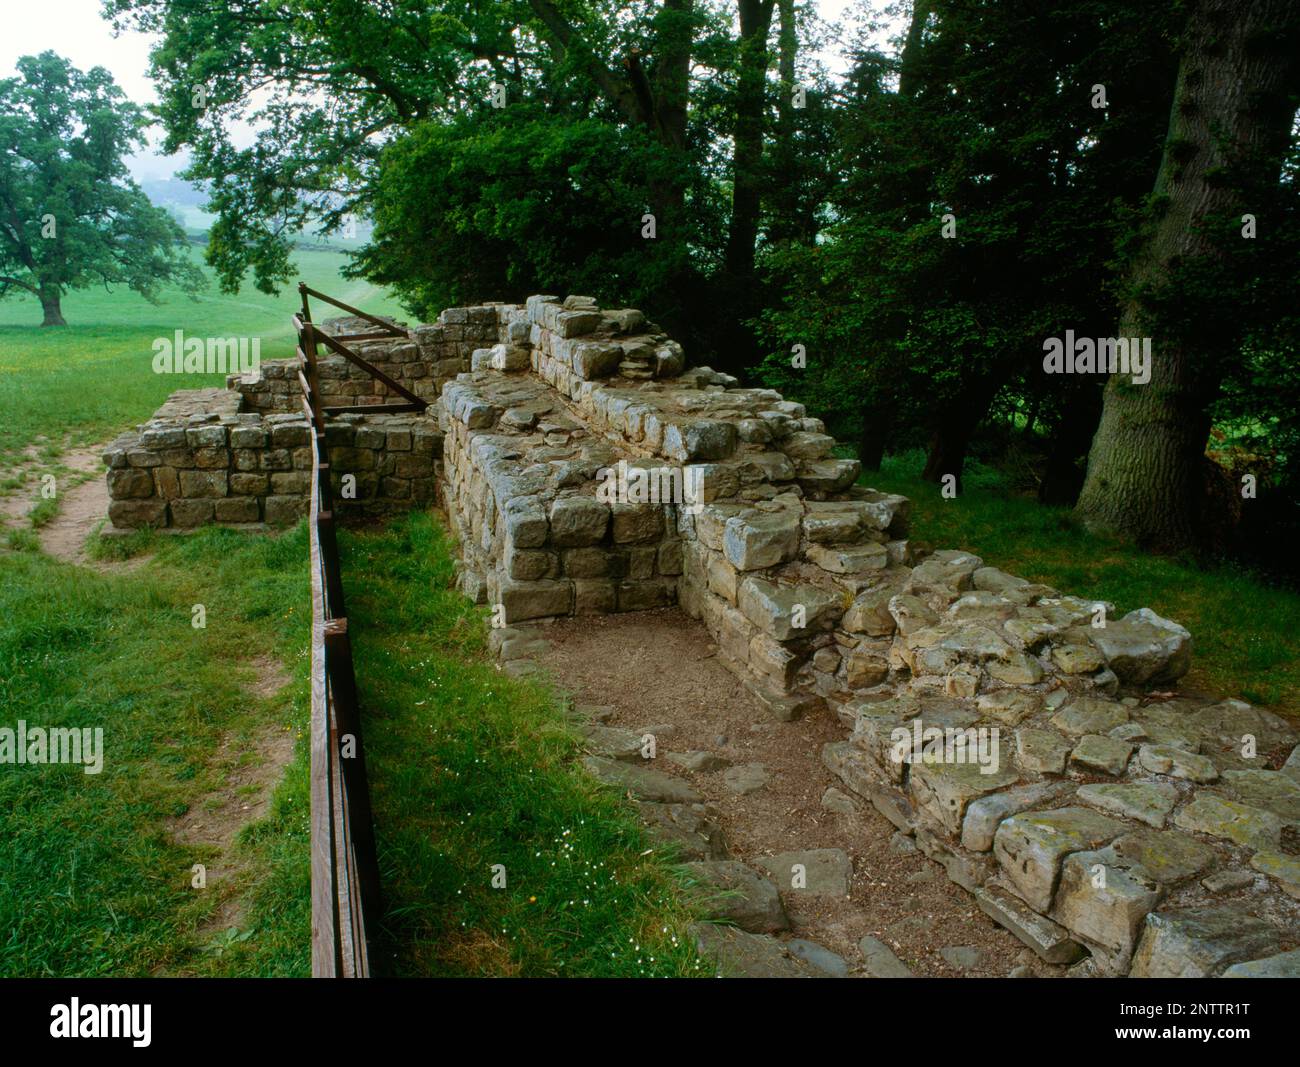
x=242, y=456
x=1029, y=741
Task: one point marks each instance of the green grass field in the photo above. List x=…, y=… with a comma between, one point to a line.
x=81, y=384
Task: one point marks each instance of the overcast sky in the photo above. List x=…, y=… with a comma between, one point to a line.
x=75, y=30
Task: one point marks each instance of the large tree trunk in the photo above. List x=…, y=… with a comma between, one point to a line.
x=908, y=79
x=1144, y=478
x=747, y=154
x=873, y=437
x=49, y=297
x=786, y=223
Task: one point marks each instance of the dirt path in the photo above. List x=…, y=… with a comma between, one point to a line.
x=82, y=497
x=695, y=704
x=81, y=507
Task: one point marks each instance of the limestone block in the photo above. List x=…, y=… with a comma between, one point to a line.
x=137, y=514
x=1030, y=847
x=190, y=513
x=787, y=612
x=534, y=600
x=130, y=483
x=1199, y=942
x=203, y=483
x=578, y=520
x=758, y=539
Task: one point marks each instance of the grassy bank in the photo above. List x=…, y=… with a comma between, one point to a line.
x=472, y=770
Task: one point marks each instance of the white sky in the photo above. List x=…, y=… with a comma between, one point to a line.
x=75, y=30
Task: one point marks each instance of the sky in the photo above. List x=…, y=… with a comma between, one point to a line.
x=75, y=30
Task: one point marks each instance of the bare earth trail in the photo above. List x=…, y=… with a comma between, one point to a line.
x=83, y=504
x=81, y=508
x=659, y=669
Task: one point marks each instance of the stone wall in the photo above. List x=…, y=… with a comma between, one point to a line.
x=1027, y=740
x=1031, y=742
x=423, y=361
x=201, y=459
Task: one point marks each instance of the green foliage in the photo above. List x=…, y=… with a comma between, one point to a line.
x=72, y=216
x=906, y=324
x=522, y=203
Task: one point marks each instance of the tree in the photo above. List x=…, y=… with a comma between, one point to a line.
x=455, y=226
x=1194, y=278
x=70, y=216
x=974, y=217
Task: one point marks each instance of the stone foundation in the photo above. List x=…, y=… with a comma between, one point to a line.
x=201, y=460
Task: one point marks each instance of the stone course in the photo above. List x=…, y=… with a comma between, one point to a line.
x=205, y=458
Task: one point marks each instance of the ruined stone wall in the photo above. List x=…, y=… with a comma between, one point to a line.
x=1025, y=739
x=423, y=361
x=202, y=460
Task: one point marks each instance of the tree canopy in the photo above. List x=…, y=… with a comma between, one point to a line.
x=70, y=216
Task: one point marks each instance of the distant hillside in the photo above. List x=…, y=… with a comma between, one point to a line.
x=177, y=191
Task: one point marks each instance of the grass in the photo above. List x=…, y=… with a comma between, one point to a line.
x=470, y=769
x=473, y=771
x=1245, y=632
x=80, y=384
x=94, y=882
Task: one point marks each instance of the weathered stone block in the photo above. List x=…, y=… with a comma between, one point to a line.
x=237, y=509
x=203, y=483
x=787, y=612
x=284, y=510
x=942, y=791
x=129, y=483
x=1104, y=899
x=594, y=597
x=190, y=513
x=245, y=484
x=1050, y=941
x=637, y=522
x=137, y=514
x=578, y=520
x=1030, y=847
x=760, y=539
x=1199, y=942
x=535, y=600
x=699, y=440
